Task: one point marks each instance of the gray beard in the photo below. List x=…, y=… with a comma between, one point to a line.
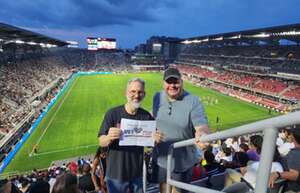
x=135, y=105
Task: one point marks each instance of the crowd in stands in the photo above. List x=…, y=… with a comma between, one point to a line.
x=20, y=84
x=251, y=88
x=236, y=160
x=262, y=51
x=29, y=82
x=21, y=81
x=84, y=60
x=261, y=59
x=76, y=176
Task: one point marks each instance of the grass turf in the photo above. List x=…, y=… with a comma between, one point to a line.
x=70, y=128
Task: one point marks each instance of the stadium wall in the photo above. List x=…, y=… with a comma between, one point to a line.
x=22, y=141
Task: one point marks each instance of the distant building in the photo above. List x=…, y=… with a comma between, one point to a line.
x=167, y=47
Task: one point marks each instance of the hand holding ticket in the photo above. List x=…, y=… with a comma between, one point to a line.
x=136, y=132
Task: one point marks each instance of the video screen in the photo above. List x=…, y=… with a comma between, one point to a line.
x=101, y=43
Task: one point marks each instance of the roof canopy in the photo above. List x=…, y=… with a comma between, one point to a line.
x=270, y=35
x=12, y=34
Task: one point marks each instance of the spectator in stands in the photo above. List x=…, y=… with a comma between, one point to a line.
x=244, y=147
x=85, y=181
x=24, y=184
x=66, y=183
x=293, y=164
x=232, y=143
x=178, y=115
x=73, y=167
x=224, y=154
x=6, y=186
x=98, y=169
x=39, y=186
x=285, y=142
x=240, y=159
x=248, y=174
x=212, y=167
x=255, y=147
x=227, y=155
x=198, y=172
x=124, y=163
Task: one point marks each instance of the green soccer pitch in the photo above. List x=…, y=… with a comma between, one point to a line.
x=70, y=128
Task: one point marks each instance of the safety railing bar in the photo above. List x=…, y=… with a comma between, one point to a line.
x=192, y=188
x=270, y=128
x=266, y=159
x=276, y=122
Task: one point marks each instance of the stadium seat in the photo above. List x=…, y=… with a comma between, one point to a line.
x=279, y=186
x=201, y=182
x=217, y=181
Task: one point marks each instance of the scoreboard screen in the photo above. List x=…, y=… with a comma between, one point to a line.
x=101, y=43
x=107, y=43
x=92, y=43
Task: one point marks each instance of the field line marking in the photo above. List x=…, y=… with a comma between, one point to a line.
x=65, y=149
x=54, y=115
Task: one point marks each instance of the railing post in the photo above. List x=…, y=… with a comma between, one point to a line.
x=169, y=166
x=144, y=174
x=266, y=159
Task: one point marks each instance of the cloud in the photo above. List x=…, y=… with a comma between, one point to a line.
x=82, y=13
x=133, y=21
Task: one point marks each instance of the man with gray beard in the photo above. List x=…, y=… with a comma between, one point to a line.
x=124, y=163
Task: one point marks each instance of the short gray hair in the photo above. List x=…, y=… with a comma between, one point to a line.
x=141, y=81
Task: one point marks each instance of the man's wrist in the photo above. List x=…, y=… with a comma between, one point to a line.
x=108, y=140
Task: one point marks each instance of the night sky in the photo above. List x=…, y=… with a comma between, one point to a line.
x=131, y=22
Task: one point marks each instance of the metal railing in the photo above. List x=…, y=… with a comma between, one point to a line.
x=269, y=127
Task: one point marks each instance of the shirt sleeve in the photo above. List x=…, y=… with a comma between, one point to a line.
x=293, y=160
x=106, y=124
x=198, y=115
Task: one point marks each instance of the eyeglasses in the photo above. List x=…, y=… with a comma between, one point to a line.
x=170, y=109
x=134, y=92
x=172, y=81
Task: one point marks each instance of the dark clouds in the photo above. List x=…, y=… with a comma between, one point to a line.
x=133, y=21
x=81, y=13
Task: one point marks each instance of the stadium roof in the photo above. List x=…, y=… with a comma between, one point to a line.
x=270, y=34
x=12, y=34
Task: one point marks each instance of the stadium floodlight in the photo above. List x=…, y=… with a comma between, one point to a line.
x=196, y=41
x=19, y=42
x=261, y=35
x=50, y=45
x=235, y=37
x=219, y=38
x=186, y=42
x=42, y=45
x=31, y=43
x=287, y=33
